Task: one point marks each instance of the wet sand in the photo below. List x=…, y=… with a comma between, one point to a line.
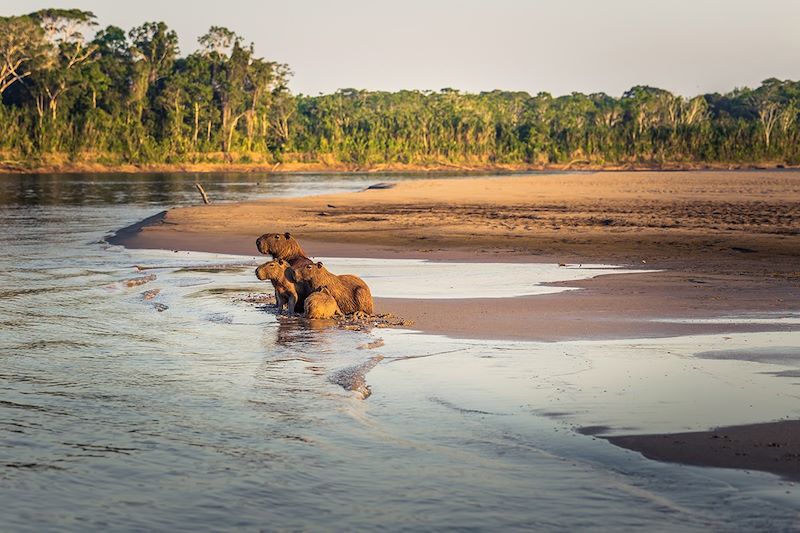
x=772, y=447
x=728, y=244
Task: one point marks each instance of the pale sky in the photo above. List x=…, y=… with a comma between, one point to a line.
x=559, y=46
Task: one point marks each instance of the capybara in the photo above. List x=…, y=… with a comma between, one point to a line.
x=285, y=288
x=283, y=246
x=350, y=292
x=320, y=304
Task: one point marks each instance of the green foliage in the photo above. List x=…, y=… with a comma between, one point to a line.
x=131, y=98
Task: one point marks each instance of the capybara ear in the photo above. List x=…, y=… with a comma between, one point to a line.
x=287, y=235
x=319, y=264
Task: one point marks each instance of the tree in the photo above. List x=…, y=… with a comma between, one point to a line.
x=66, y=54
x=21, y=46
x=154, y=48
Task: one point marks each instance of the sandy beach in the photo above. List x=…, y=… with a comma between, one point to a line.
x=727, y=242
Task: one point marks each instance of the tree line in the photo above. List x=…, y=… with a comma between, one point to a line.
x=130, y=97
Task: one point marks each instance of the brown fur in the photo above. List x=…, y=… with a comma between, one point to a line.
x=286, y=290
x=283, y=246
x=321, y=304
x=350, y=292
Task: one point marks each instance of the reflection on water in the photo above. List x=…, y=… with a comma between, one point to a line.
x=154, y=188
x=216, y=413
x=171, y=188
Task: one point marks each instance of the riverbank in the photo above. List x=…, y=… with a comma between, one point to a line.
x=725, y=244
x=61, y=166
x=729, y=243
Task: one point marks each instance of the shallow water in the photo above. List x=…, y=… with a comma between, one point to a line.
x=398, y=278
x=196, y=409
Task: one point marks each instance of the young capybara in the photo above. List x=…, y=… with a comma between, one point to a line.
x=283, y=246
x=321, y=304
x=350, y=292
x=286, y=293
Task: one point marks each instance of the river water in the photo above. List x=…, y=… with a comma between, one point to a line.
x=146, y=390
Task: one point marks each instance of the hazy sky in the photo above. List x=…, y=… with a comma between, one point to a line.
x=559, y=46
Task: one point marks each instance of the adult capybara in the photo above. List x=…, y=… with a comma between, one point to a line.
x=321, y=304
x=350, y=292
x=283, y=246
x=286, y=290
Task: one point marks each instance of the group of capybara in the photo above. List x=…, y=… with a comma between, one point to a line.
x=303, y=286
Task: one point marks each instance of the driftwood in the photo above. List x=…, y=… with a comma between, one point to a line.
x=202, y=193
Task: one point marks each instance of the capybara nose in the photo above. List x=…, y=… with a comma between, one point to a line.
x=259, y=246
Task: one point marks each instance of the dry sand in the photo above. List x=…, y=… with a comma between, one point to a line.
x=729, y=243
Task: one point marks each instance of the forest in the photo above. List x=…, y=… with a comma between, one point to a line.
x=71, y=91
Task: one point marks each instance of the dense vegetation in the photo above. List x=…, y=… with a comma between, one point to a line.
x=130, y=97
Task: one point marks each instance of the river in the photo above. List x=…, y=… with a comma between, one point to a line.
x=147, y=390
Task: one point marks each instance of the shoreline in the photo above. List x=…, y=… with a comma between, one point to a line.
x=772, y=447
x=636, y=220
x=609, y=306
x=708, y=269
x=381, y=168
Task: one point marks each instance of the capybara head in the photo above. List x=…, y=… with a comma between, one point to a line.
x=310, y=272
x=279, y=245
x=272, y=270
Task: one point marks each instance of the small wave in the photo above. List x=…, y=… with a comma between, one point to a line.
x=101, y=448
x=353, y=378
x=462, y=410
x=14, y=405
x=50, y=344
x=8, y=294
x=32, y=466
